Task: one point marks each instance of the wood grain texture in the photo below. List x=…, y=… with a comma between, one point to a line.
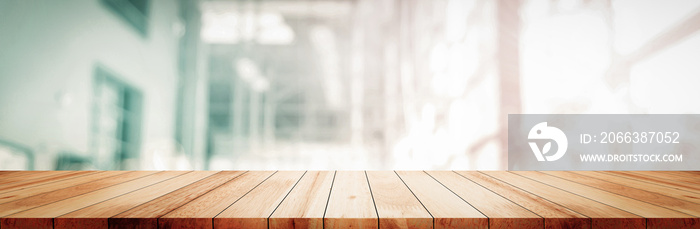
x=30, y=175
x=691, y=180
x=448, y=209
x=602, y=216
x=502, y=213
x=349, y=199
x=66, y=193
x=52, y=186
x=555, y=215
x=16, y=174
x=96, y=215
x=58, y=208
x=695, y=174
x=253, y=209
x=651, y=187
x=661, y=181
x=147, y=214
x=199, y=213
x=396, y=206
x=638, y=194
x=687, y=174
x=655, y=215
x=350, y=204
x=22, y=184
x=8, y=173
x=306, y=203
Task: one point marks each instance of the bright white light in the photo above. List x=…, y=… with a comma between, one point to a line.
x=639, y=21
x=456, y=19
x=438, y=58
x=247, y=69
x=249, y=72
x=260, y=84
x=563, y=56
x=228, y=26
x=270, y=19
x=667, y=82
x=277, y=35
x=324, y=42
x=453, y=65
x=219, y=27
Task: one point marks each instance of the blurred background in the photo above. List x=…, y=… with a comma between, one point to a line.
x=324, y=84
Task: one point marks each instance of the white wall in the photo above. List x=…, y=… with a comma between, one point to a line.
x=48, y=52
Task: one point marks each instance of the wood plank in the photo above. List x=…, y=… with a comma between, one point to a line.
x=651, y=187
x=550, y=199
x=44, y=214
x=19, y=185
x=657, y=217
x=350, y=204
x=95, y=216
x=57, y=195
x=305, y=204
x=661, y=181
x=15, y=173
x=602, y=216
x=52, y=186
x=691, y=180
x=253, y=209
x=693, y=173
x=447, y=209
x=146, y=215
x=555, y=215
x=686, y=174
x=199, y=213
x=32, y=176
x=502, y=213
x=19, y=175
x=638, y=194
x=5, y=174
x=396, y=206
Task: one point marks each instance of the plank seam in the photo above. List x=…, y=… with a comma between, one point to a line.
x=285, y=197
x=414, y=195
x=203, y=194
x=649, y=182
x=3, y=183
x=123, y=194
x=548, y=200
x=164, y=194
x=239, y=198
x=656, y=174
x=56, y=189
x=41, y=184
x=576, y=194
x=7, y=187
x=625, y=178
x=695, y=183
x=1, y=216
x=372, y=194
x=23, y=173
x=488, y=219
x=497, y=194
x=628, y=196
x=323, y=222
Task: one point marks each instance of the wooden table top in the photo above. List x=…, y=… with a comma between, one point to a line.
x=349, y=199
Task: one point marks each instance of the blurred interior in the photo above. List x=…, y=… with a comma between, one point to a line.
x=324, y=84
